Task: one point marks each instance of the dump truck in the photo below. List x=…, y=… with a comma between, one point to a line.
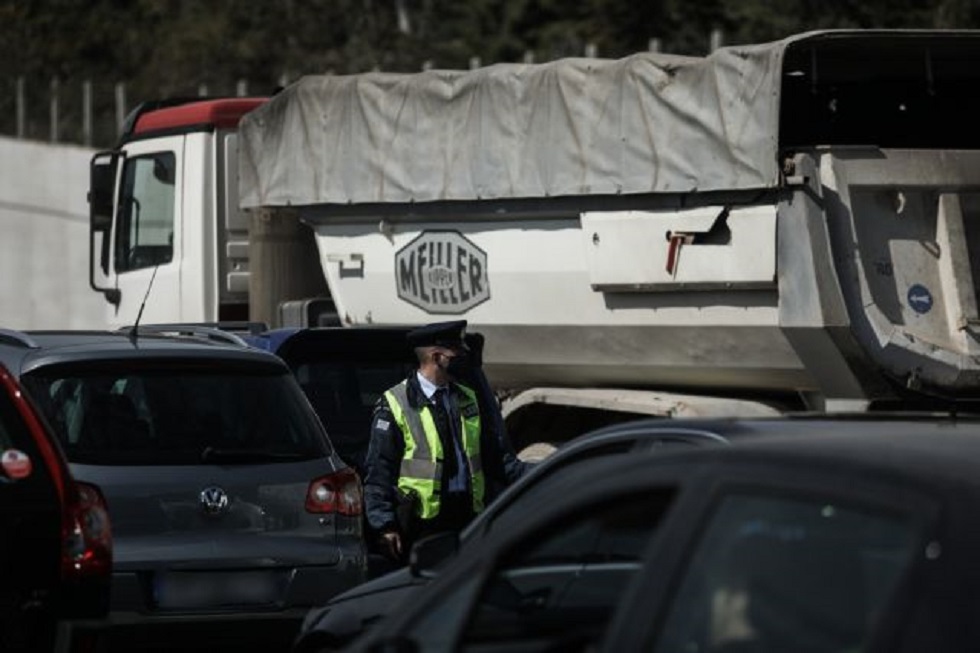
x=771, y=228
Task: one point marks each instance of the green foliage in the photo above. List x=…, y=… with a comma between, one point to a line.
x=173, y=47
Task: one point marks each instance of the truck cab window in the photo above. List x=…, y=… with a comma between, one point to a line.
x=145, y=233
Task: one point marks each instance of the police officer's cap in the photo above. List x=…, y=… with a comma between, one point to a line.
x=440, y=334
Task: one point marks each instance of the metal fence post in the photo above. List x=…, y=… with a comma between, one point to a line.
x=120, y=107
x=21, y=109
x=716, y=40
x=241, y=90
x=404, y=24
x=54, y=109
x=87, y=113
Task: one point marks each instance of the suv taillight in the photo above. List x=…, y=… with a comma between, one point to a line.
x=86, y=548
x=339, y=492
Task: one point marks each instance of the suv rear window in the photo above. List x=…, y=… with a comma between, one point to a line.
x=344, y=394
x=176, y=415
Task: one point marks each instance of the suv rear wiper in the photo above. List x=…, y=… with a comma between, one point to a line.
x=216, y=455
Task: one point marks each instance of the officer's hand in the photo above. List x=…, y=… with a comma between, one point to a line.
x=391, y=544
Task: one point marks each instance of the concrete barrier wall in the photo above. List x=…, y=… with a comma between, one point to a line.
x=44, y=238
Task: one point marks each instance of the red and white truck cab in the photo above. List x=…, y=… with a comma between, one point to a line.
x=165, y=208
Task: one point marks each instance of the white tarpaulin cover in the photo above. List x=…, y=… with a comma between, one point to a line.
x=648, y=123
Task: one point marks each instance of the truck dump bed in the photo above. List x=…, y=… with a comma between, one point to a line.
x=798, y=216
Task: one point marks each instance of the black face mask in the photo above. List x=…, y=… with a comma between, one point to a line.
x=458, y=366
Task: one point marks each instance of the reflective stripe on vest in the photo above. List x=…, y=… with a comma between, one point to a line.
x=421, y=466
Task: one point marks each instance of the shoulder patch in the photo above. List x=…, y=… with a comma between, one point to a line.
x=382, y=424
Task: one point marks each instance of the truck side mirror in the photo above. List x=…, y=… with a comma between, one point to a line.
x=101, y=196
x=102, y=183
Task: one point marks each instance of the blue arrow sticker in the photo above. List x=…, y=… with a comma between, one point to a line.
x=920, y=299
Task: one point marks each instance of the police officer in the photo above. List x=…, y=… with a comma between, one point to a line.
x=424, y=468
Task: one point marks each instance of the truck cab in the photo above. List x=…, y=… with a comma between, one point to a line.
x=162, y=212
x=167, y=236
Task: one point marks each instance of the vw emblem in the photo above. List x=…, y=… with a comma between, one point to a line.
x=213, y=499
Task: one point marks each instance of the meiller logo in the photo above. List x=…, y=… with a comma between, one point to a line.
x=442, y=272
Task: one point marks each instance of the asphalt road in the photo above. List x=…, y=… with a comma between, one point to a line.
x=219, y=637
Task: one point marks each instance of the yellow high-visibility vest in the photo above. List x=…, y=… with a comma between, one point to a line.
x=421, y=466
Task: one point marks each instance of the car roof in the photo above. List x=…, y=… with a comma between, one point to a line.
x=936, y=452
x=880, y=429
x=927, y=449
x=789, y=425
x=295, y=345
x=25, y=351
x=376, y=343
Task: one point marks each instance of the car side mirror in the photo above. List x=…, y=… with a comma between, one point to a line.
x=429, y=553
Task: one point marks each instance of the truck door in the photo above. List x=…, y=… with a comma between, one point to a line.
x=146, y=236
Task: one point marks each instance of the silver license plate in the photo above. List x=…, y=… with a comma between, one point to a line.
x=225, y=589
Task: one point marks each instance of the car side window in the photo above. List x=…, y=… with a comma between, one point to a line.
x=561, y=584
x=782, y=574
x=527, y=491
x=499, y=517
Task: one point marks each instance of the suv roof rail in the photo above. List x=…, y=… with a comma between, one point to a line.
x=253, y=328
x=200, y=330
x=19, y=338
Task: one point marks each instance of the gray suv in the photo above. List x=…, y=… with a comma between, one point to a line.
x=226, y=497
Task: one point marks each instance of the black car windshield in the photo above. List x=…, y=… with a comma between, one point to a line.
x=169, y=414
